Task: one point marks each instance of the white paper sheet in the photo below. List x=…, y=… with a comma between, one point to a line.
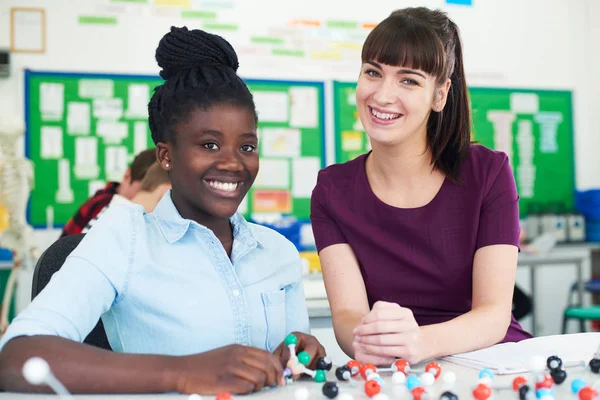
x=108, y=109
x=514, y=358
x=94, y=186
x=96, y=88
x=52, y=142
x=115, y=163
x=280, y=142
x=272, y=106
x=52, y=101
x=140, y=137
x=304, y=176
x=111, y=131
x=137, y=100
x=64, y=194
x=28, y=30
x=78, y=118
x=304, y=106
x=86, y=158
x=273, y=174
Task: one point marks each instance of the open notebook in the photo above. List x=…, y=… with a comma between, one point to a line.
x=514, y=358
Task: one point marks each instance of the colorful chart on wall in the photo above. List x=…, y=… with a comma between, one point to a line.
x=533, y=127
x=84, y=129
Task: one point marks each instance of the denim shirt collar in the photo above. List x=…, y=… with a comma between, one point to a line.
x=173, y=226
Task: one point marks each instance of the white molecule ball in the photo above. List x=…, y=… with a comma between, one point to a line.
x=194, y=397
x=449, y=378
x=537, y=364
x=36, y=370
x=345, y=396
x=398, y=378
x=427, y=379
x=301, y=393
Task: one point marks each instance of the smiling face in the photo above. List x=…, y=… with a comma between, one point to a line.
x=394, y=103
x=213, y=161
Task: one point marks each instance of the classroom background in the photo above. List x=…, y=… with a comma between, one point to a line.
x=78, y=76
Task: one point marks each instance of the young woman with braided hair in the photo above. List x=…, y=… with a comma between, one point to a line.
x=193, y=298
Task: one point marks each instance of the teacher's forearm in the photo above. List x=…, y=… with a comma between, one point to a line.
x=344, y=323
x=481, y=327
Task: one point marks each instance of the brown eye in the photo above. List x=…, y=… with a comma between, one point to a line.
x=211, y=146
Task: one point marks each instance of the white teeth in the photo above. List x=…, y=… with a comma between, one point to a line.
x=384, y=115
x=227, y=186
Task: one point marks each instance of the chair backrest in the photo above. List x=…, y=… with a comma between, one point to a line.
x=51, y=261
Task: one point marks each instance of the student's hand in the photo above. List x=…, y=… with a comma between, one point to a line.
x=307, y=343
x=387, y=332
x=235, y=368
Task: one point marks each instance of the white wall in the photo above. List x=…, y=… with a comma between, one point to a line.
x=541, y=44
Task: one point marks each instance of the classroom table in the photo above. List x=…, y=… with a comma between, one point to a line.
x=467, y=379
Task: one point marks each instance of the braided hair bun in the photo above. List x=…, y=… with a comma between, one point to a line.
x=182, y=49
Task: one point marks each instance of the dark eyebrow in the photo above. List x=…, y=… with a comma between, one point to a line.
x=400, y=71
x=251, y=135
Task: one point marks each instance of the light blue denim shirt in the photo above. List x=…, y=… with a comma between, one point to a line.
x=165, y=285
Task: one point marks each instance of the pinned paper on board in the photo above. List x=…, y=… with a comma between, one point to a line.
x=110, y=109
x=52, y=142
x=94, y=186
x=111, y=131
x=351, y=98
x=52, y=100
x=78, y=118
x=280, y=142
x=96, y=88
x=304, y=106
x=86, y=158
x=272, y=106
x=64, y=194
x=304, y=176
x=272, y=201
x=140, y=137
x=137, y=100
x=352, y=141
x=115, y=163
x=273, y=174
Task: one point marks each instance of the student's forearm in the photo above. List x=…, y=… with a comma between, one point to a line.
x=343, y=326
x=85, y=369
x=481, y=327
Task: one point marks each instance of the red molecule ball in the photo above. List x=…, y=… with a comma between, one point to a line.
x=418, y=392
x=354, y=367
x=482, y=392
x=588, y=393
x=402, y=366
x=224, y=396
x=366, y=367
x=372, y=388
x=546, y=383
x=434, y=368
x=518, y=382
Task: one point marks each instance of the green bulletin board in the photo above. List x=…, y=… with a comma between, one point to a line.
x=534, y=127
x=84, y=129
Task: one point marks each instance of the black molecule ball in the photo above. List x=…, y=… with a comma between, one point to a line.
x=343, y=373
x=595, y=365
x=558, y=375
x=448, y=396
x=324, y=364
x=554, y=362
x=330, y=390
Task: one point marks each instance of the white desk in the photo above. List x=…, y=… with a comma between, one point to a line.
x=466, y=381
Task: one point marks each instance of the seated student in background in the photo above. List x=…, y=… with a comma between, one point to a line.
x=193, y=298
x=418, y=239
x=128, y=187
x=153, y=187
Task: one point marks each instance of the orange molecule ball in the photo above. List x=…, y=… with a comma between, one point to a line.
x=546, y=383
x=402, y=366
x=365, y=368
x=372, y=388
x=354, y=367
x=588, y=393
x=224, y=396
x=482, y=392
x=434, y=368
x=418, y=392
x=518, y=382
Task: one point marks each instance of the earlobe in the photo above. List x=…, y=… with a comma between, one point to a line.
x=162, y=155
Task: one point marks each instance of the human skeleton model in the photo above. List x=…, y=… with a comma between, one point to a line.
x=16, y=181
